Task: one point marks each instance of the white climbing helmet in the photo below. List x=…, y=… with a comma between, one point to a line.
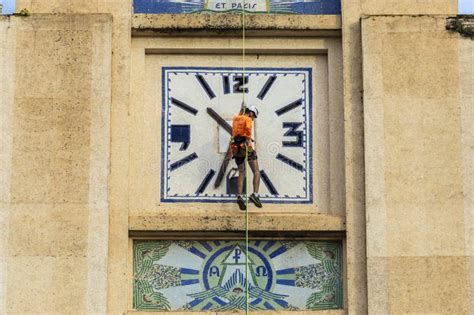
x=253, y=109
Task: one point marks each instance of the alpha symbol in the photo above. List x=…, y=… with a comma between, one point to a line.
x=214, y=271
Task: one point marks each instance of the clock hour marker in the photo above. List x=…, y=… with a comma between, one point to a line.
x=184, y=106
x=268, y=183
x=240, y=82
x=266, y=87
x=293, y=132
x=206, y=181
x=205, y=86
x=289, y=107
x=290, y=162
x=226, y=83
x=183, y=161
x=181, y=134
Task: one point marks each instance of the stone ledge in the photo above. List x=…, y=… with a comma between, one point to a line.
x=149, y=24
x=308, y=312
x=69, y=18
x=221, y=221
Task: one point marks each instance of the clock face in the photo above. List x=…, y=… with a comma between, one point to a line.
x=198, y=107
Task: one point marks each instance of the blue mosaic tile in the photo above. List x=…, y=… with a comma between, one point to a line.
x=229, y=6
x=212, y=275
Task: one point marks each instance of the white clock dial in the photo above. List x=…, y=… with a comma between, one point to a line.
x=198, y=107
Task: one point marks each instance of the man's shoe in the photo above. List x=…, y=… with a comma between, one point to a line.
x=241, y=203
x=254, y=198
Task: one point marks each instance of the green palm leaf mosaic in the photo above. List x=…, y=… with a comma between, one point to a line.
x=211, y=275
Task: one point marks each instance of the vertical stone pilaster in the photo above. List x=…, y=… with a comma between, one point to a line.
x=56, y=108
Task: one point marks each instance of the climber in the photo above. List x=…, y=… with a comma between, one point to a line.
x=241, y=142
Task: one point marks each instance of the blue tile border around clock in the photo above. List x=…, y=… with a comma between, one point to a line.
x=231, y=199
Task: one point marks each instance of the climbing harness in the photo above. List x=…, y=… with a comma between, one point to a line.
x=239, y=147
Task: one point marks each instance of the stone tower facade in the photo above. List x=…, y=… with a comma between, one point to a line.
x=114, y=122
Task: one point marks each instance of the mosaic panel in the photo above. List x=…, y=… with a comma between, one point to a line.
x=229, y=6
x=212, y=275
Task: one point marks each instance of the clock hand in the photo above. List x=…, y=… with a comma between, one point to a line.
x=219, y=120
x=228, y=154
x=223, y=168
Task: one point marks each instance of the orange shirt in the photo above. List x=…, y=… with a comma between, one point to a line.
x=242, y=126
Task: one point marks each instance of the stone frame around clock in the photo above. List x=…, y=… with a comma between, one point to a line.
x=329, y=201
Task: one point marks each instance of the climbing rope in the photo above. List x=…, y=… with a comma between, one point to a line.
x=246, y=232
x=246, y=174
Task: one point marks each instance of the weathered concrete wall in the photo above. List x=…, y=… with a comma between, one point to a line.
x=55, y=111
x=118, y=189
x=119, y=162
x=401, y=7
x=418, y=95
x=352, y=11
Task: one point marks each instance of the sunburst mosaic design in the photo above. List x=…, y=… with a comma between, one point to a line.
x=236, y=6
x=212, y=275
